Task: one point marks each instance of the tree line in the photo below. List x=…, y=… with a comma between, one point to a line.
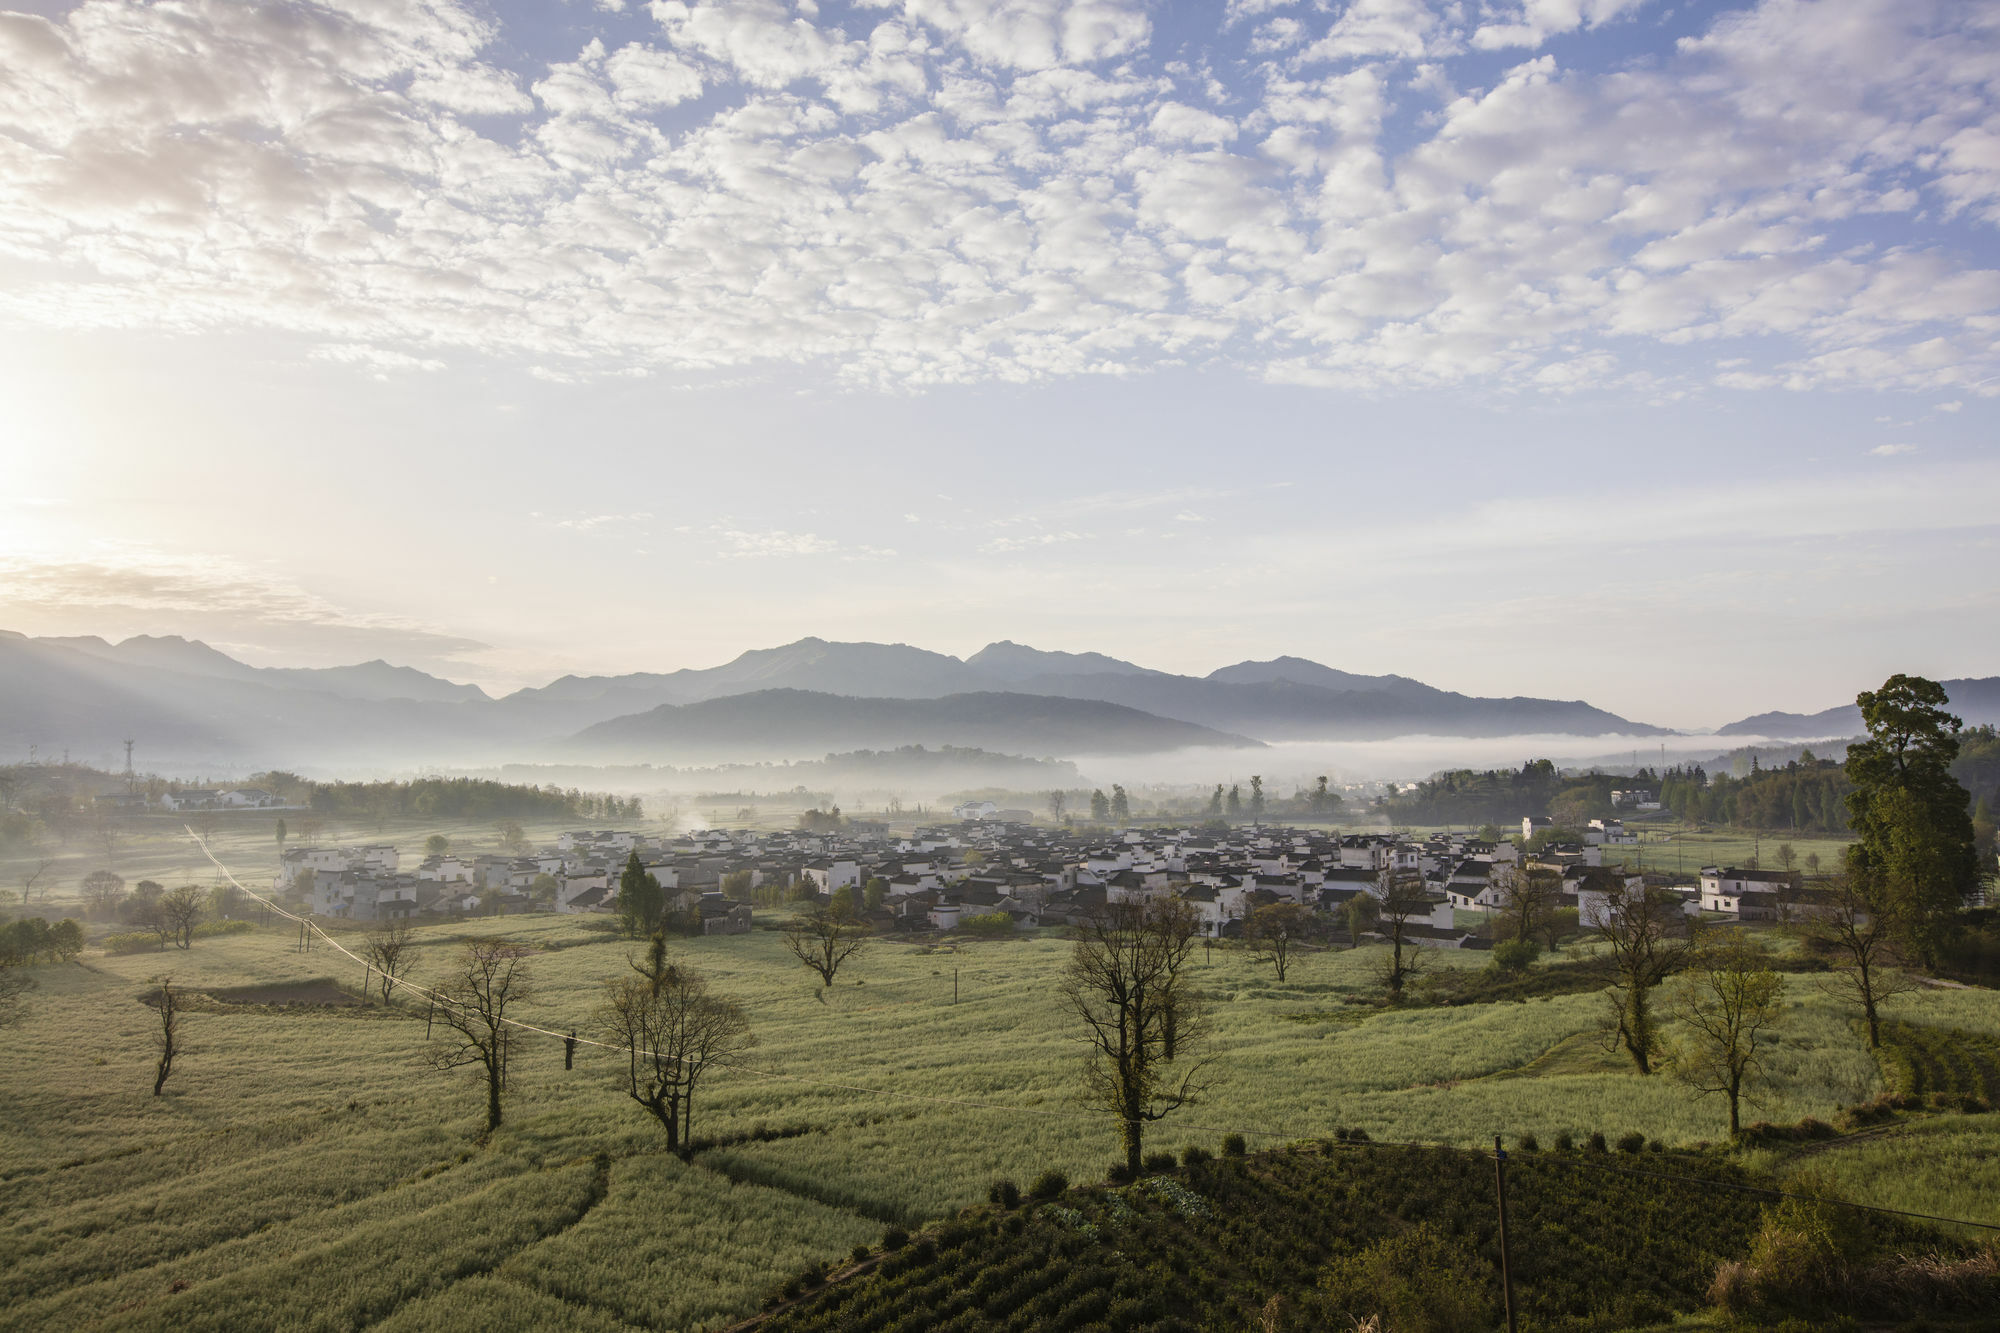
x=466, y=798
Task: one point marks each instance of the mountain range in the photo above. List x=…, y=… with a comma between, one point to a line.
x=190, y=704
x=1975, y=701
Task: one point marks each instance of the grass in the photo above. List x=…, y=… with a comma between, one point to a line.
x=1932, y=1060
x=1947, y=1166
x=305, y=1169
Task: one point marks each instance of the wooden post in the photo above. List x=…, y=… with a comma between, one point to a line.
x=569, y=1050
x=429, y=1009
x=954, y=985
x=1500, y=1187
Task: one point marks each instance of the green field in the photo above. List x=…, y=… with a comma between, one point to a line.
x=305, y=1169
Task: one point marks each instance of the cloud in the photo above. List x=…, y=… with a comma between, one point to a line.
x=729, y=542
x=123, y=589
x=1005, y=545
x=963, y=191
x=1532, y=22
x=1892, y=450
x=592, y=521
x=381, y=360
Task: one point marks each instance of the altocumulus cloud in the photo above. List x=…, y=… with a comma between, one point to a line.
x=914, y=192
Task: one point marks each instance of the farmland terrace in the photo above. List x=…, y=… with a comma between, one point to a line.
x=304, y=1168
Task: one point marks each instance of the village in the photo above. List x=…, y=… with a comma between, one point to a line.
x=1001, y=874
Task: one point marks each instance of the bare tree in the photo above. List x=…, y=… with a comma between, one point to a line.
x=168, y=1039
x=823, y=936
x=32, y=870
x=204, y=823
x=180, y=910
x=672, y=1030
x=471, y=1012
x=1867, y=972
x=1530, y=895
x=1727, y=1002
x=1127, y=984
x=1275, y=931
x=101, y=891
x=1648, y=937
x=309, y=829
x=1403, y=900
x=387, y=949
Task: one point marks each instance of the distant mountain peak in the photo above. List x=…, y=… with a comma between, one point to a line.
x=1006, y=660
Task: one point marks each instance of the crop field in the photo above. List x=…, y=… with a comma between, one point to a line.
x=305, y=1169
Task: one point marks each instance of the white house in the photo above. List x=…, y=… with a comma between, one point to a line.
x=1750, y=895
x=975, y=810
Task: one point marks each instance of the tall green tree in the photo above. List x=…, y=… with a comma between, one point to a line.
x=1100, y=806
x=641, y=901
x=1121, y=804
x=1915, y=852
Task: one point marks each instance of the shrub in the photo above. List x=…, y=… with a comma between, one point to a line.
x=1005, y=1193
x=1159, y=1161
x=895, y=1238
x=1634, y=1142
x=1565, y=1142
x=137, y=941
x=1807, y=1251
x=1528, y=1143
x=1420, y=1280
x=1357, y=1135
x=1763, y=1131
x=1048, y=1185
x=1233, y=1145
x=860, y=1253
x=1516, y=955
x=1195, y=1155
x=1596, y=1142
x=1118, y=1174
x=988, y=923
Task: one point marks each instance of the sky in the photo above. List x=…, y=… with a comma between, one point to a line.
x=1640, y=352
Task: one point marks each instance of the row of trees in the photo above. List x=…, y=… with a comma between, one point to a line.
x=466, y=798
x=172, y=914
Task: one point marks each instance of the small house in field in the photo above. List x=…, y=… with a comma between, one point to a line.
x=1747, y=895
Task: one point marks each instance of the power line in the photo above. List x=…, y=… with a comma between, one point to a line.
x=762, y=1074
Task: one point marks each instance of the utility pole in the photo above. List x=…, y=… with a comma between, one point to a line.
x=129, y=780
x=1500, y=1186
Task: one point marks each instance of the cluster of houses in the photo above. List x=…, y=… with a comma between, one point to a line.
x=207, y=798
x=578, y=874
x=1008, y=873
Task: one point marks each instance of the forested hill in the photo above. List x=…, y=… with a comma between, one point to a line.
x=1808, y=794
x=788, y=723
